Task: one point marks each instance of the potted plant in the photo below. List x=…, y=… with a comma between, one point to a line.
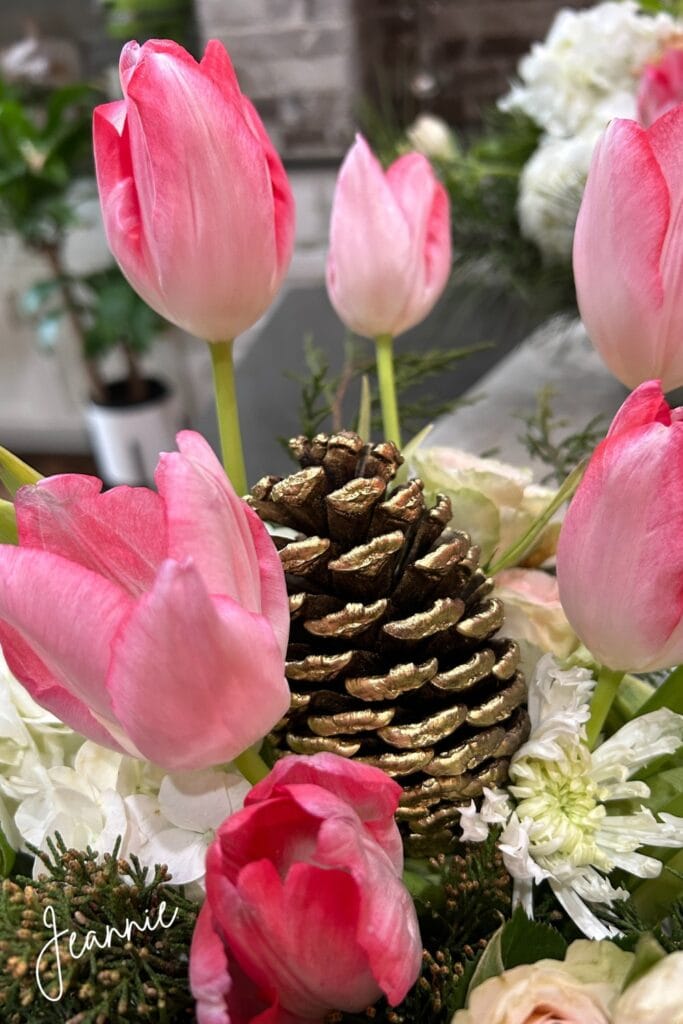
x=44, y=148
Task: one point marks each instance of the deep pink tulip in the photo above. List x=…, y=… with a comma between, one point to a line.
x=155, y=623
x=196, y=204
x=305, y=909
x=628, y=251
x=661, y=86
x=620, y=554
x=390, y=242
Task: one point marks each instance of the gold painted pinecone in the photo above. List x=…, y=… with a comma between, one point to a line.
x=393, y=658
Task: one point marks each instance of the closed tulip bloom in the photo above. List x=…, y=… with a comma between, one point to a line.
x=196, y=204
x=661, y=86
x=628, y=251
x=151, y=622
x=620, y=554
x=305, y=909
x=390, y=242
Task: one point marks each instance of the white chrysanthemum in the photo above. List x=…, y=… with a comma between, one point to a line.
x=562, y=828
x=550, y=189
x=587, y=69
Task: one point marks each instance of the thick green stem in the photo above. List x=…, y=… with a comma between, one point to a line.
x=228, y=414
x=251, y=765
x=603, y=697
x=387, y=388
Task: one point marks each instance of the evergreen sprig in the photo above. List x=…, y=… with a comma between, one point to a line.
x=144, y=978
x=543, y=438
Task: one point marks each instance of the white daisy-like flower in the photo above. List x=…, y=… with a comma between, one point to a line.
x=562, y=827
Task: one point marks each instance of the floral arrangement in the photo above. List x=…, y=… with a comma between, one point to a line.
x=290, y=722
x=619, y=58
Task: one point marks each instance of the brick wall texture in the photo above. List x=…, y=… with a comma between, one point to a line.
x=310, y=64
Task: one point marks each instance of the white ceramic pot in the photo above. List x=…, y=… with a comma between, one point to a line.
x=127, y=439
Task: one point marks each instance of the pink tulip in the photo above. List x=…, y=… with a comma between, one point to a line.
x=620, y=555
x=305, y=909
x=390, y=242
x=661, y=86
x=628, y=251
x=196, y=204
x=153, y=623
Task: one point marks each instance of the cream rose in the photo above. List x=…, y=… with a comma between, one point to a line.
x=656, y=998
x=582, y=989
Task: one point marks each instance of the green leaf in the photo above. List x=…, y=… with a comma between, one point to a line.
x=668, y=695
x=515, y=553
x=14, y=473
x=654, y=897
x=8, y=523
x=648, y=953
x=518, y=941
x=7, y=856
x=365, y=410
x=490, y=963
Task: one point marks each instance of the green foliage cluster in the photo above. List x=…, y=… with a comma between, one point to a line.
x=44, y=144
x=142, y=979
x=148, y=19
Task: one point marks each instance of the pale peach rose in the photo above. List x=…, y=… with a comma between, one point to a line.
x=534, y=615
x=656, y=998
x=582, y=989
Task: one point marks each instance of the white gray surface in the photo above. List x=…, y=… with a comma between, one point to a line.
x=558, y=355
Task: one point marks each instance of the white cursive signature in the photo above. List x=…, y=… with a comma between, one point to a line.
x=91, y=941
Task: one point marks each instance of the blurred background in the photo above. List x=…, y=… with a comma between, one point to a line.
x=78, y=349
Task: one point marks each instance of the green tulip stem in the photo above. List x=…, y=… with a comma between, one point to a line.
x=251, y=765
x=387, y=388
x=228, y=414
x=603, y=698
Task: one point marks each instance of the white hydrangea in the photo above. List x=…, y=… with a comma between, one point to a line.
x=586, y=70
x=560, y=824
x=550, y=190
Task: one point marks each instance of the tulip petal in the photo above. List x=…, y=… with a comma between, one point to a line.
x=68, y=617
x=176, y=117
x=371, y=256
x=372, y=794
x=120, y=202
x=274, y=598
x=313, y=966
x=195, y=680
x=424, y=202
x=618, y=559
x=643, y=406
x=209, y=978
x=207, y=521
x=387, y=923
x=48, y=692
x=620, y=232
x=121, y=534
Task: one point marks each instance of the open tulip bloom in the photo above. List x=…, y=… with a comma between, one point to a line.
x=145, y=633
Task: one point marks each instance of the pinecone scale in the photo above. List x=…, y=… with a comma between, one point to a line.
x=394, y=656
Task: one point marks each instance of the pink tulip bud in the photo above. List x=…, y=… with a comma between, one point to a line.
x=620, y=555
x=661, y=86
x=153, y=623
x=628, y=251
x=196, y=204
x=305, y=910
x=390, y=242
